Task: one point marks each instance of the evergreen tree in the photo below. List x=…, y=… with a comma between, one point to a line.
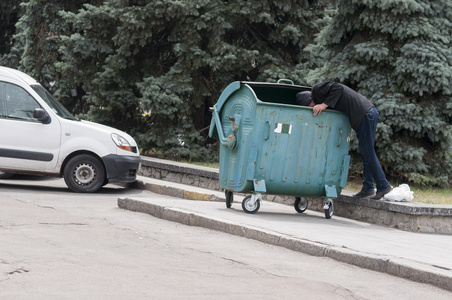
x=9, y=14
x=398, y=53
x=153, y=68
x=38, y=32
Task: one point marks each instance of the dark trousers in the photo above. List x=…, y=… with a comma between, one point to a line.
x=371, y=165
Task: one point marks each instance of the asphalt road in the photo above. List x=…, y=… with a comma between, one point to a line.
x=60, y=245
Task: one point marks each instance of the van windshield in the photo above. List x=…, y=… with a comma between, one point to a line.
x=56, y=106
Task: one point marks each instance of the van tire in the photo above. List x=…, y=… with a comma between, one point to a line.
x=84, y=173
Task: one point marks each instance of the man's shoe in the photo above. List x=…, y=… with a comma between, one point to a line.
x=364, y=194
x=380, y=194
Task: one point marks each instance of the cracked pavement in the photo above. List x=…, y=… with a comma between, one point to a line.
x=60, y=245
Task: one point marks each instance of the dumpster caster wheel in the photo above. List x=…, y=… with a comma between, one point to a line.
x=301, y=204
x=249, y=207
x=328, y=208
x=229, y=198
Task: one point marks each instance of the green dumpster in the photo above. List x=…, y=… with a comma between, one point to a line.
x=271, y=145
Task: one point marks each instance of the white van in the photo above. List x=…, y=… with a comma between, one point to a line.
x=39, y=136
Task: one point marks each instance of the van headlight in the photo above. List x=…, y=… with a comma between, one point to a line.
x=121, y=142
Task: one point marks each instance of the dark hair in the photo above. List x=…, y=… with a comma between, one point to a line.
x=304, y=98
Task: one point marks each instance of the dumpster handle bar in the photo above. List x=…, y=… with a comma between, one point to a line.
x=287, y=80
x=340, y=138
x=267, y=131
x=223, y=139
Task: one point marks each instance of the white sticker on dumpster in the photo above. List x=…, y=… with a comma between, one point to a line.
x=283, y=128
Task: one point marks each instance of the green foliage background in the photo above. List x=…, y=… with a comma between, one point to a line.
x=153, y=68
x=397, y=53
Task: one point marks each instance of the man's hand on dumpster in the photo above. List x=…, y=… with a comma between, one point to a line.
x=317, y=109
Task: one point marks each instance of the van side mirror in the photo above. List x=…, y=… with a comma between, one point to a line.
x=41, y=115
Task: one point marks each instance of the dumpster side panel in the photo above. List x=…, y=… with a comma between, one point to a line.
x=302, y=153
x=234, y=163
x=337, y=156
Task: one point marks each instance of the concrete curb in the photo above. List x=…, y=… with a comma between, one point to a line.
x=399, y=267
x=177, y=190
x=406, y=216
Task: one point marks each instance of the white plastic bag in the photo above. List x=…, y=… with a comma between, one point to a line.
x=401, y=193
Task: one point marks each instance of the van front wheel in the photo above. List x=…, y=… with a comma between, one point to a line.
x=84, y=173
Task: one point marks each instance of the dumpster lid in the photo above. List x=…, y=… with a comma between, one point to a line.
x=263, y=87
x=229, y=90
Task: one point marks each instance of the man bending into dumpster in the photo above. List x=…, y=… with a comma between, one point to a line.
x=363, y=118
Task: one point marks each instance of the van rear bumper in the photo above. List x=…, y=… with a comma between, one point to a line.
x=121, y=168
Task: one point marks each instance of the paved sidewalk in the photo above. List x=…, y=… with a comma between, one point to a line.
x=419, y=257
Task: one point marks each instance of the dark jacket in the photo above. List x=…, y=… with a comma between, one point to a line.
x=343, y=99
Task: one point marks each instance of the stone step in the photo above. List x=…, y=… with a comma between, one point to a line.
x=408, y=216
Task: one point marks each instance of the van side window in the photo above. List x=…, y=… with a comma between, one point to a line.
x=16, y=103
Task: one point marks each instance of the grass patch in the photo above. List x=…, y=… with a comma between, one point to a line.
x=427, y=195
x=202, y=164
x=432, y=195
